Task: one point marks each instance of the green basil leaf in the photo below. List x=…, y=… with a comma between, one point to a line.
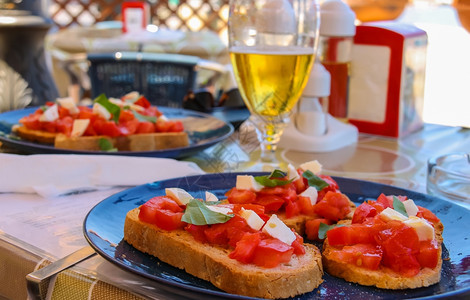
x=11, y=136
x=106, y=145
x=399, y=206
x=114, y=109
x=266, y=181
x=324, y=228
x=277, y=174
x=314, y=180
x=197, y=213
x=271, y=179
x=143, y=118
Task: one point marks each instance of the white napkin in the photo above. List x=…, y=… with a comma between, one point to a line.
x=53, y=175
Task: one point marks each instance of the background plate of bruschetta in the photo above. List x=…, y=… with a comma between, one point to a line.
x=203, y=131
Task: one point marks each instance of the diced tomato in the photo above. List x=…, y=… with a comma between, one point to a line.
x=400, y=244
x=97, y=124
x=385, y=201
x=237, y=196
x=38, y=111
x=399, y=237
x=378, y=207
x=367, y=256
x=406, y=264
x=428, y=215
x=169, y=220
x=151, y=111
x=65, y=125
x=258, y=209
x=85, y=113
x=292, y=209
x=286, y=192
x=129, y=127
x=245, y=248
x=363, y=212
x=176, y=126
x=272, y=252
x=400, y=197
x=276, y=190
x=90, y=130
x=312, y=226
x=236, y=229
x=145, y=127
x=227, y=193
x=126, y=115
x=428, y=254
x=306, y=206
x=142, y=101
x=290, y=193
x=162, y=211
x=63, y=112
x=350, y=235
x=49, y=126
x=32, y=121
x=334, y=206
x=216, y=234
x=229, y=232
x=197, y=231
x=162, y=126
x=300, y=185
x=332, y=186
x=109, y=128
x=298, y=244
x=123, y=130
x=271, y=203
x=375, y=223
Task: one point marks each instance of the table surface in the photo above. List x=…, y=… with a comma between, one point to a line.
x=398, y=162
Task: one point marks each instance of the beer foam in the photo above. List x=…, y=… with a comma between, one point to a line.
x=274, y=50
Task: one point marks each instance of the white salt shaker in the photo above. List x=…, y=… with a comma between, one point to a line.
x=311, y=118
x=337, y=31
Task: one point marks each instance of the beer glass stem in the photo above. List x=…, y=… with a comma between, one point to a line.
x=269, y=136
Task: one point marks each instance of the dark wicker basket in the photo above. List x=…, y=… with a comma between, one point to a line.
x=164, y=79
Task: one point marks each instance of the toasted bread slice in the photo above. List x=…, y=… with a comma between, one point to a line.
x=383, y=277
x=179, y=249
x=135, y=142
x=37, y=136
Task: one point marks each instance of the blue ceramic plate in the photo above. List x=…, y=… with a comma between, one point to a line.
x=103, y=228
x=203, y=131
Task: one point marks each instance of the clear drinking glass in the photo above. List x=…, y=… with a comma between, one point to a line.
x=272, y=46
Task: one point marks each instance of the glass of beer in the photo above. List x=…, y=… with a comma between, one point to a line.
x=272, y=46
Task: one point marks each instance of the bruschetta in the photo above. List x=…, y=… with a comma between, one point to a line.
x=301, y=197
x=126, y=124
x=390, y=243
x=236, y=247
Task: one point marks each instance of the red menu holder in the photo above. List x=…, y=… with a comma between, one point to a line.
x=386, y=91
x=135, y=16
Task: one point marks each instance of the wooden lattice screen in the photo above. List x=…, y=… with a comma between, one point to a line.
x=190, y=15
